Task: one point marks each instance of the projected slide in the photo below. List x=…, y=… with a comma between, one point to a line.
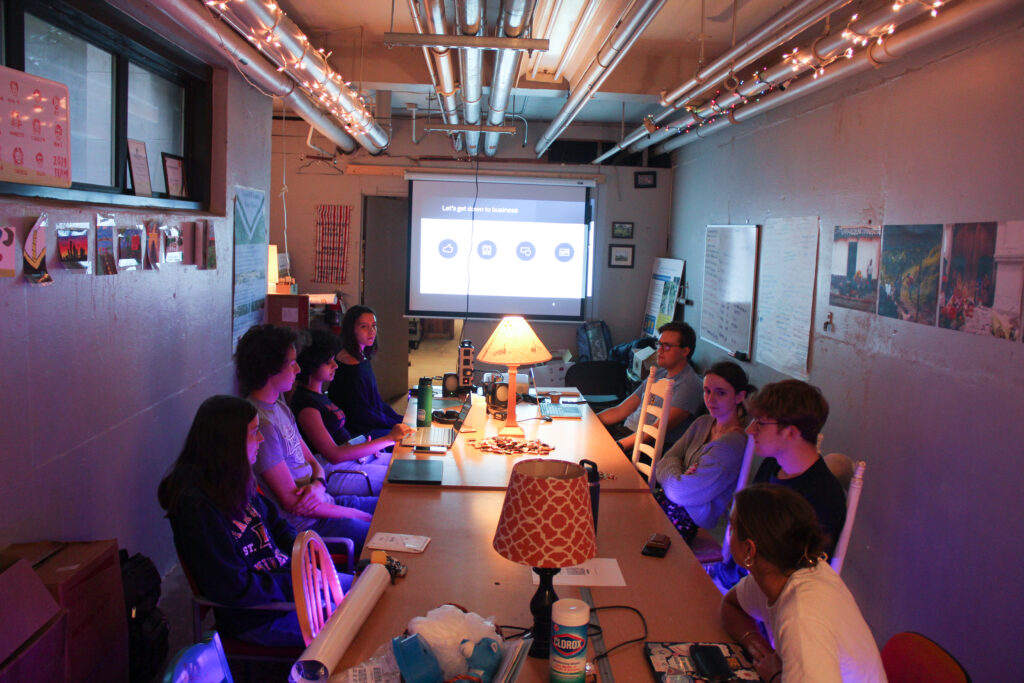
x=508, y=249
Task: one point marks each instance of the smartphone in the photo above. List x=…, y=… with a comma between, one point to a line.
x=657, y=545
x=710, y=662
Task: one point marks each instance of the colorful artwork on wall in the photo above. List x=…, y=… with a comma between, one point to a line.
x=909, y=278
x=73, y=247
x=855, y=262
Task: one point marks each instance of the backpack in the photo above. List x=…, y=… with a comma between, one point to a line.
x=593, y=339
x=148, y=632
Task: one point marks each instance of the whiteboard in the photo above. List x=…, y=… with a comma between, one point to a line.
x=730, y=269
x=785, y=294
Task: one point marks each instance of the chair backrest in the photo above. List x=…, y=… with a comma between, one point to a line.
x=663, y=390
x=745, y=466
x=838, y=464
x=315, y=583
x=203, y=662
x=909, y=657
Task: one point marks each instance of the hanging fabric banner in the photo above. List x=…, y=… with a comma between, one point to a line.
x=332, y=221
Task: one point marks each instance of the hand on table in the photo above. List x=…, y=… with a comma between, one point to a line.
x=399, y=431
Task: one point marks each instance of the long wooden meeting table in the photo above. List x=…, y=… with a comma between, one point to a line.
x=675, y=595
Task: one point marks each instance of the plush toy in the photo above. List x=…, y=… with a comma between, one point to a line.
x=482, y=659
x=445, y=628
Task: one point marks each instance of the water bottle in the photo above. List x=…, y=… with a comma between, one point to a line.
x=568, y=659
x=424, y=401
x=308, y=671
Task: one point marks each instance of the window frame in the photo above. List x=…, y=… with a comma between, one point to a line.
x=129, y=42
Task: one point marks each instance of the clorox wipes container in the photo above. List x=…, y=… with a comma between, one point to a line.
x=569, y=619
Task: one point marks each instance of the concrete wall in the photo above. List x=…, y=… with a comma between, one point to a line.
x=311, y=182
x=101, y=376
x=935, y=413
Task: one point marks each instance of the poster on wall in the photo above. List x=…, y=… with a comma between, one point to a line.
x=855, y=259
x=151, y=260
x=8, y=252
x=106, y=261
x=982, y=285
x=785, y=294
x=662, y=294
x=129, y=247
x=250, y=277
x=909, y=279
x=34, y=129
x=73, y=247
x=35, y=254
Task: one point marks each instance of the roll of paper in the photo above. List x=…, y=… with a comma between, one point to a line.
x=329, y=646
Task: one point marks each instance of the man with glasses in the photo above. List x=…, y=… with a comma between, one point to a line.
x=786, y=419
x=675, y=346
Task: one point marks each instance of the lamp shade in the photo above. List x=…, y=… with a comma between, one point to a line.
x=546, y=520
x=513, y=342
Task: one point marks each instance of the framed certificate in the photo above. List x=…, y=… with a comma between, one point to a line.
x=174, y=175
x=138, y=164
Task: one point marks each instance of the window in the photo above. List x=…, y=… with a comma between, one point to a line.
x=124, y=82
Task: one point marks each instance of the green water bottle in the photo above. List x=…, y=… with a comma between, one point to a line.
x=424, y=401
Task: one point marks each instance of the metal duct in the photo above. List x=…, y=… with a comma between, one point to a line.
x=946, y=24
x=763, y=40
x=607, y=59
x=291, y=39
x=471, y=16
x=515, y=15
x=195, y=18
x=437, y=25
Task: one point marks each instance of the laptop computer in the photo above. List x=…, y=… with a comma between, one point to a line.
x=554, y=410
x=439, y=437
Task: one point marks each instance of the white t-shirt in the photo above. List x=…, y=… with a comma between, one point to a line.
x=816, y=628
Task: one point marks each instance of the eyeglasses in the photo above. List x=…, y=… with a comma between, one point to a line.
x=666, y=345
x=764, y=423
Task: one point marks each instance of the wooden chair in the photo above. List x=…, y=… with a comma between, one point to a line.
x=910, y=657
x=705, y=546
x=315, y=584
x=203, y=662
x=234, y=648
x=663, y=390
x=840, y=465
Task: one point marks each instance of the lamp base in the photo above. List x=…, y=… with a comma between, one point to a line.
x=512, y=432
x=540, y=608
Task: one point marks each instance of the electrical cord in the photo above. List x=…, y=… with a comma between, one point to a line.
x=595, y=629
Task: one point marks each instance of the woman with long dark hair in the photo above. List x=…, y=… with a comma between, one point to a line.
x=697, y=475
x=816, y=631
x=354, y=388
x=229, y=537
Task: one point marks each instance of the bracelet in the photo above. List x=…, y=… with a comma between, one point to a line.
x=321, y=480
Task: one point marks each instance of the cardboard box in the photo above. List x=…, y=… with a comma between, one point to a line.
x=42, y=657
x=552, y=373
x=85, y=579
x=27, y=606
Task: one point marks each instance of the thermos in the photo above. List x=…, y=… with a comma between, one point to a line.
x=568, y=658
x=424, y=401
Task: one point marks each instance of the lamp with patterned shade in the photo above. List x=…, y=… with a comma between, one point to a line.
x=546, y=523
x=513, y=343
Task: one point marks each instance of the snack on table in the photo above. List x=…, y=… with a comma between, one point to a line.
x=503, y=445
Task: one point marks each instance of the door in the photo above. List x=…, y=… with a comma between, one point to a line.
x=383, y=289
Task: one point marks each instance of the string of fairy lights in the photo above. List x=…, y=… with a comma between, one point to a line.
x=290, y=50
x=767, y=79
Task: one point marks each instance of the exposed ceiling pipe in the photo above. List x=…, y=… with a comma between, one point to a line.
x=824, y=49
x=549, y=24
x=252, y=19
x=437, y=25
x=515, y=15
x=610, y=54
x=948, y=23
x=471, y=19
x=582, y=22
x=417, y=23
x=254, y=66
x=763, y=40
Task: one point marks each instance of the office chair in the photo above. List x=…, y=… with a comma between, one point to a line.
x=603, y=383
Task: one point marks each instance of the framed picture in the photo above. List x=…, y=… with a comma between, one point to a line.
x=138, y=164
x=174, y=175
x=644, y=179
x=620, y=255
x=622, y=231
